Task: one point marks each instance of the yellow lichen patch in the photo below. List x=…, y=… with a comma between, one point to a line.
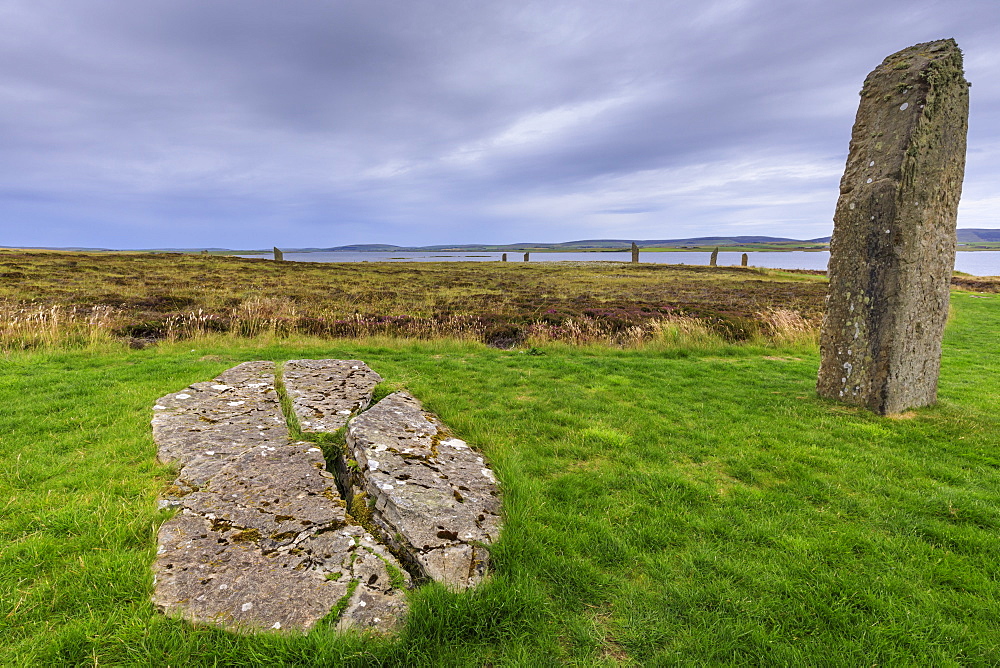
x=246, y=536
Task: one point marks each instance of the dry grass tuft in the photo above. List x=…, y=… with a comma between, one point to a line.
x=259, y=315
x=27, y=326
x=784, y=326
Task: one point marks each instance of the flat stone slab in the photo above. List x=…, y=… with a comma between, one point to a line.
x=216, y=575
x=325, y=393
x=205, y=424
x=436, y=502
x=261, y=540
x=280, y=494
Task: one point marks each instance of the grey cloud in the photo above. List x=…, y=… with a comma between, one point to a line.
x=252, y=122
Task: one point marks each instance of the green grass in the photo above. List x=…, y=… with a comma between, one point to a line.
x=689, y=506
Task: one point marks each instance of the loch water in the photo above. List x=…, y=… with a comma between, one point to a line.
x=977, y=263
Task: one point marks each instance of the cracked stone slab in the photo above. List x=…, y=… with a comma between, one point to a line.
x=264, y=546
x=204, y=425
x=325, y=393
x=436, y=501
x=283, y=493
x=205, y=575
x=260, y=542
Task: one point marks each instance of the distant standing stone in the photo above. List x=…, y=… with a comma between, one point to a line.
x=278, y=255
x=744, y=260
x=635, y=253
x=714, y=260
x=526, y=256
x=503, y=258
x=893, y=246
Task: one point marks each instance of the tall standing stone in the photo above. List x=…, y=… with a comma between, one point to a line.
x=278, y=255
x=503, y=258
x=744, y=260
x=526, y=256
x=635, y=253
x=893, y=246
x=714, y=260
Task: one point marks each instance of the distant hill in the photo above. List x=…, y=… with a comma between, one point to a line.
x=583, y=244
x=969, y=235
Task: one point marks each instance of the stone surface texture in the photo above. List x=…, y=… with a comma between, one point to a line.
x=261, y=540
x=202, y=426
x=325, y=393
x=893, y=245
x=433, y=499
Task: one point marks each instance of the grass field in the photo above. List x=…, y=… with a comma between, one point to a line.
x=687, y=503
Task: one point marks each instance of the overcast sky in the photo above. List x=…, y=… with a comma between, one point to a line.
x=251, y=123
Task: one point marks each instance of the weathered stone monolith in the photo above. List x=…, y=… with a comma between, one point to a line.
x=204, y=252
x=893, y=246
x=503, y=258
x=526, y=256
x=714, y=260
x=744, y=260
x=635, y=253
x=278, y=255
